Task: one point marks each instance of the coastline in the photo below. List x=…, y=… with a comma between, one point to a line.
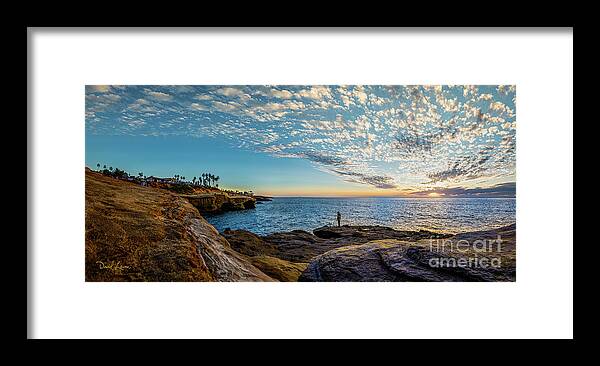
x=142, y=233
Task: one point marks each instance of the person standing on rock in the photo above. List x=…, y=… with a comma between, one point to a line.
x=339, y=218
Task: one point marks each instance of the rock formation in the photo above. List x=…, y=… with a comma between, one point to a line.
x=136, y=233
x=474, y=256
x=219, y=202
x=377, y=253
x=261, y=199
x=272, y=259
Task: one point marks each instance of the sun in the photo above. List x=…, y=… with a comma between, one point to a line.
x=435, y=194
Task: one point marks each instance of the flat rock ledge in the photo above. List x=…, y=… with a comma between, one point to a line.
x=393, y=260
x=377, y=253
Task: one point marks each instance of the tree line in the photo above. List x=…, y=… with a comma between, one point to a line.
x=204, y=179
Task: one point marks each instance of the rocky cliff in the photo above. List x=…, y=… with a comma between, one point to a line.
x=219, y=202
x=135, y=233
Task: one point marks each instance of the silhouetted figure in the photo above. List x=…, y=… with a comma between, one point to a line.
x=339, y=218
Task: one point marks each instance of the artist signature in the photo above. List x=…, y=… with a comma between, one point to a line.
x=112, y=265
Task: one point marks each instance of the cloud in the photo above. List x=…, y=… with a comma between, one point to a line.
x=497, y=106
x=234, y=92
x=506, y=89
x=320, y=125
x=225, y=107
x=506, y=190
x=97, y=88
x=142, y=106
x=448, y=104
x=97, y=103
x=199, y=107
x=229, y=92
x=466, y=168
x=410, y=144
x=279, y=93
x=323, y=159
x=378, y=181
x=359, y=93
x=160, y=96
x=316, y=92
x=409, y=138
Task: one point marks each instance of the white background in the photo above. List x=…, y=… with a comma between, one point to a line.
x=539, y=304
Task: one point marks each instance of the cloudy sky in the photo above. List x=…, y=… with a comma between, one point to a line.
x=453, y=141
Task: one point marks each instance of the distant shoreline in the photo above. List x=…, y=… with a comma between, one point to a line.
x=393, y=197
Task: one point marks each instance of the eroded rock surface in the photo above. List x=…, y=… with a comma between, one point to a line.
x=302, y=246
x=136, y=233
x=277, y=268
x=475, y=256
x=368, y=233
x=267, y=256
x=287, y=252
x=219, y=202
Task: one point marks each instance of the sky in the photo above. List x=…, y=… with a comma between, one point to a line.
x=312, y=140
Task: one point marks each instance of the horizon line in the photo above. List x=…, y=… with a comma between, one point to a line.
x=428, y=197
x=342, y=195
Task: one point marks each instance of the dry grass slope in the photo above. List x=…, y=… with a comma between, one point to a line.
x=147, y=234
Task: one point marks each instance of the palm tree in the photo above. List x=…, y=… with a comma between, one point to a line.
x=217, y=180
x=98, y=166
x=104, y=166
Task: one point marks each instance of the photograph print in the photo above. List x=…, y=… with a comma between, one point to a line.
x=311, y=183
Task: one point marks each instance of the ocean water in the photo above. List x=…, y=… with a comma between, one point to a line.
x=450, y=215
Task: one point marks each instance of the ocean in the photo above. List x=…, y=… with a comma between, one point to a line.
x=449, y=215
